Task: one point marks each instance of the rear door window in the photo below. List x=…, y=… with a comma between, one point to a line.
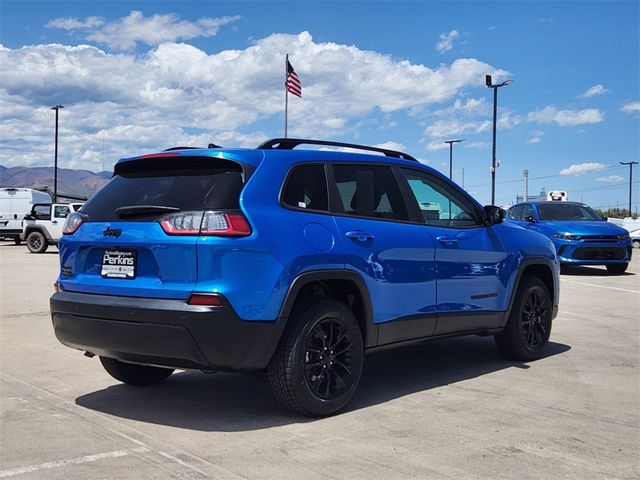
x=185, y=183
x=369, y=191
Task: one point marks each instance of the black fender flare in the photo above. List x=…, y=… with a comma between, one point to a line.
x=371, y=332
x=38, y=228
x=523, y=266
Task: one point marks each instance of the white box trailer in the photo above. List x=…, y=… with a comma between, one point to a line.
x=15, y=203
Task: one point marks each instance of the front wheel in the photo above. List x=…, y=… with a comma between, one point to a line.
x=36, y=242
x=617, y=268
x=529, y=325
x=133, y=374
x=318, y=363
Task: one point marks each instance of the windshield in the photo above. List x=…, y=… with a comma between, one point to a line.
x=566, y=211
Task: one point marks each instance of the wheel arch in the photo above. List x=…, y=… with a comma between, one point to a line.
x=344, y=285
x=541, y=268
x=37, y=228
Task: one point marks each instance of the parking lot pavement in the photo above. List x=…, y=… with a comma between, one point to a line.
x=445, y=409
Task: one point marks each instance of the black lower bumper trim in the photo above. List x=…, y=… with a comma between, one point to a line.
x=163, y=332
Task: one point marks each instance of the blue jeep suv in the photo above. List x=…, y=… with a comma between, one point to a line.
x=580, y=235
x=294, y=262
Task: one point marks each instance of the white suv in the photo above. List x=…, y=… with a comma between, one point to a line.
x=43, y=226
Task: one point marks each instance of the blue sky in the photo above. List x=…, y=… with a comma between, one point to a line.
x=142, y=76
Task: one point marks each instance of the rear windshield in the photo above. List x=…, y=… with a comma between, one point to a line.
x=201, y=184
x=566, y=211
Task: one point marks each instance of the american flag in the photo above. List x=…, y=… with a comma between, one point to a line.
x=293, y=82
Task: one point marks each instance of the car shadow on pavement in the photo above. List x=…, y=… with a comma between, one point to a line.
x=232, y=402
x=594, y=271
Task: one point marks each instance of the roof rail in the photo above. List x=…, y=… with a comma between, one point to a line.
x=291, y=143
x=211, y=145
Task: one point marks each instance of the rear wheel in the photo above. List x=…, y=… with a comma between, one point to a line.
x=133, y=374
x=636, y=244
x=617, y=268
x=36, y=242
x=529, y=325
x=318, y=364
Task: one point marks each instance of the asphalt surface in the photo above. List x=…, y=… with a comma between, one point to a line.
x=445, y=409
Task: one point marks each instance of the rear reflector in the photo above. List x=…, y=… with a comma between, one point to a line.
x=205, y=299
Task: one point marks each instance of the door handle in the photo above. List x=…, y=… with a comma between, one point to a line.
x=359, y=235
x=447, y=240
x=54, y=221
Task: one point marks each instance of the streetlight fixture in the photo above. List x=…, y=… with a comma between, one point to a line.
x=490, y=84
x=451, y=142
x=55, y=164
x=631, y=164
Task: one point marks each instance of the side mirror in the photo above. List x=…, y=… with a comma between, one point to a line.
x=530, y=218
x=493, y=215
x=605, y=218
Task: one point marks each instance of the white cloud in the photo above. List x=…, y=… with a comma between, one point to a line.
x=126, y=32
x=566, y=118
x=436, y=145
x=536, y=137
x=631, y=107
x=446, y=41
x=582, y=168
x=479, y=145
x=177, y=94
x=71, y=23
x=610, y=179
x=392, y=146
x=593, y=91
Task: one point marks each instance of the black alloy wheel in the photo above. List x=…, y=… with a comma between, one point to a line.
x=318, y=363
x=535, y=319
x=36, y=242
x=328, y=359
x=529, y=325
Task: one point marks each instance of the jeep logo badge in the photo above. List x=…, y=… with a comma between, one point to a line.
x=112, y=232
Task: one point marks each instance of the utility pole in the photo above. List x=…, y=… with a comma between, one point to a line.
x=451, y=142
x=631, y=164
x=55, y=161
x=526, y=185
x=489, y=83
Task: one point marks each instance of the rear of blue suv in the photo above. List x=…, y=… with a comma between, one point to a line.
x=294, y=262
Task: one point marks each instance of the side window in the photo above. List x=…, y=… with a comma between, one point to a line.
x=516, y=212
x=440, y=204
x=61, y=211
x=306, y=188
x=369, y=191
x=526, y=211
x=42, y=212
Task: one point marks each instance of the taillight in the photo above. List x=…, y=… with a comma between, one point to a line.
x=206, y=223
x=73, y=222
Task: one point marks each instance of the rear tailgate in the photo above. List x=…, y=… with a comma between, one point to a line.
x=122, y=249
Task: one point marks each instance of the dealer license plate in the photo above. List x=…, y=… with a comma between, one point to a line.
x=119, y=264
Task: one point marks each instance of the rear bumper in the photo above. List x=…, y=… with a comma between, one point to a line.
x=163, y=332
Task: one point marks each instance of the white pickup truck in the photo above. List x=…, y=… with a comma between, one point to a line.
x=43, y=225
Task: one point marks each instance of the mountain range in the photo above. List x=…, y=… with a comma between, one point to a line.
x=77, y=183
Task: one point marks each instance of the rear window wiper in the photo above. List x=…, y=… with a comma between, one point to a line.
x=143, y=209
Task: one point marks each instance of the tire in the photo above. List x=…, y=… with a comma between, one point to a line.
x=133, y=374
x=617, y=268
x=37, y=243
x=636, y=244
x=17, y=241
x=305, y=374
x=529, y=326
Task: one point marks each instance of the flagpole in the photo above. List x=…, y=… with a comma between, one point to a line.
x=286, y=93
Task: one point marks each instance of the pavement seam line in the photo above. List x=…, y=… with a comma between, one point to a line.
x=71, y=461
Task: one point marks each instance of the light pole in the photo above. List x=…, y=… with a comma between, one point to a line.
x=451, y=142
x=489, y=82
x=631, y=164
x=55, y=161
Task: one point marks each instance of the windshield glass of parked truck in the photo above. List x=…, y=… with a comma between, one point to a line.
x=207, y=184
x=566, y=211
